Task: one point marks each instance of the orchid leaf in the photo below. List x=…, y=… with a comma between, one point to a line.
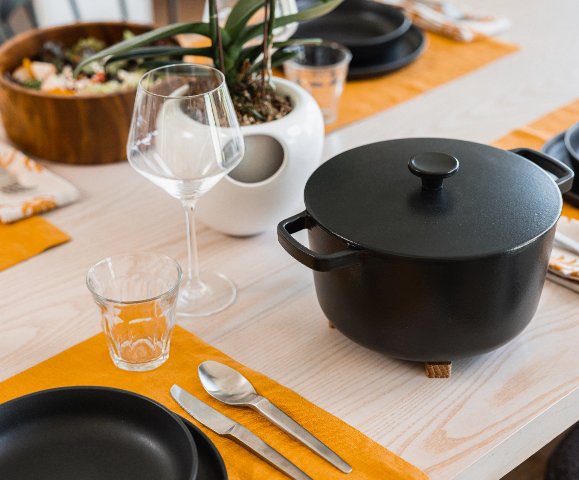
x=317, y=10
x=297, y=41
x=240, y=14
x=155, y=52
x=147, y=37
x=277, y=59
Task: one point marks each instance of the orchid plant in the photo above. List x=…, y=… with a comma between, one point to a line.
x=241, y=63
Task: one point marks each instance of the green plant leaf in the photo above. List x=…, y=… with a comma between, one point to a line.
x=250, y=53
x=240, y=14
x=298, y=41
x=277, y=59
x=153, y=52
x=147, y=37
x=152, y=64
x=317, y=10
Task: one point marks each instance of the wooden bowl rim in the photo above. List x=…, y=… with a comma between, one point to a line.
x=4, y=82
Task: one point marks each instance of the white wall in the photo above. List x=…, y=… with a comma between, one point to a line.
x=59, y=12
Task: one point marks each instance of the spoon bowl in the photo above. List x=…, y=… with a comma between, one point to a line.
x=226, y=384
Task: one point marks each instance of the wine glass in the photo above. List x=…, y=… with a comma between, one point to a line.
x=185, y=137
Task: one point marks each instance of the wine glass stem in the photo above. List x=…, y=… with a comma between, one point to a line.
x=193, y=282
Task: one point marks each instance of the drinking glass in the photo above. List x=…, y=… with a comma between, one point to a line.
x=136, y=295
x=322, y=71
x=185, y=137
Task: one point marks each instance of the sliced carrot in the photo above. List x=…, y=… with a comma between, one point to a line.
x=27, y=64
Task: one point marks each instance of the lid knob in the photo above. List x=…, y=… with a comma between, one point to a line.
x=433, y=168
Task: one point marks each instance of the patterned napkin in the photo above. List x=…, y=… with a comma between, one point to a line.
x=47, y=190
x=446, y=19
x=564, y=265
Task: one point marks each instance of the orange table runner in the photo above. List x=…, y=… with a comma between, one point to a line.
x=26, y=238
x=537, y=133
x=443, y=60
x=88, y=363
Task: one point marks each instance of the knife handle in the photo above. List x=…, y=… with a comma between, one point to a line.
x=299, y=433
x=256, y=445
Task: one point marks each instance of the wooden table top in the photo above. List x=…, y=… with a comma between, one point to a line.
x=495, y=410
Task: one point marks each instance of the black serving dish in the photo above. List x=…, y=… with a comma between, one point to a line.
x=366, y=27
x=572, y=142
x=93, y=433
x=402, y=52
x=555, y=147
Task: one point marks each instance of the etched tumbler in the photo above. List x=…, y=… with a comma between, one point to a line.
x=135, y=294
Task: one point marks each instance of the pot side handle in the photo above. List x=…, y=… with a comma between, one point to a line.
x=563, y=173
x=321, y=263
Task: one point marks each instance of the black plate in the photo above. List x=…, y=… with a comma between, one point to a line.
x=366, y=27
x=211, y=466
x=93, y=433
x=556, y=148
x=572, y=142
x=402, y=52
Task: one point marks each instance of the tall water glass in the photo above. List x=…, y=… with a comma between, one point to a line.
x=185, y=137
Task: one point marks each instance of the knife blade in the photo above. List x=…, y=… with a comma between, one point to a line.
x=226, y=427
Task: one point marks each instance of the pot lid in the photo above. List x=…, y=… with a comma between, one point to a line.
x=433, y=198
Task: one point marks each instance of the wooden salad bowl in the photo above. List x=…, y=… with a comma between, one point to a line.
x=87, y=129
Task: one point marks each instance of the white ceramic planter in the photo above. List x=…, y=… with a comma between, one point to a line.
x=268, y=185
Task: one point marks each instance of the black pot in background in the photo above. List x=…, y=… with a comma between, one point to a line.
x=435, y=268
x=367, y=28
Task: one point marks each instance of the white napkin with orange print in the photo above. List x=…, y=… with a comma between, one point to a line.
x=563, y=264
x=47, y=190
x=452, y=21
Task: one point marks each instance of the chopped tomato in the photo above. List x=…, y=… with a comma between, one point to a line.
x=99, y=77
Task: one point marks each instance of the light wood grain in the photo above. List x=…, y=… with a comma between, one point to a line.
x=495, y=410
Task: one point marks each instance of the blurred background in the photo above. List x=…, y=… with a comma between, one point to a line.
x=18, y=15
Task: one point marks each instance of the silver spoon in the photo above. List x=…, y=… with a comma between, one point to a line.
x=230, y=387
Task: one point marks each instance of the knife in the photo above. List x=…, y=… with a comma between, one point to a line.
x=226, y=427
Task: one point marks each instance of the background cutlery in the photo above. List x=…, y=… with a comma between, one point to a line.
x=567, y=243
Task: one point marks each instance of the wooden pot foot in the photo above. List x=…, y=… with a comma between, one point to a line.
x=330, y=325
x=438, y=369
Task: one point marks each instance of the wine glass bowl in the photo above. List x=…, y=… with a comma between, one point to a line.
x=185, y=137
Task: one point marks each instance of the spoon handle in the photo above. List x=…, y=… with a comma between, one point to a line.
x=296, y=431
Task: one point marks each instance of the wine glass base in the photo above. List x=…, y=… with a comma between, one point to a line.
x=217, y=293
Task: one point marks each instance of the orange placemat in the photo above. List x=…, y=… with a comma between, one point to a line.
x=537, y=133
x=26, y=238
x=444, y=60
x=88, y=363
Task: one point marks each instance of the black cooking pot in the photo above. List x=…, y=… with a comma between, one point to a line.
x=430, y=249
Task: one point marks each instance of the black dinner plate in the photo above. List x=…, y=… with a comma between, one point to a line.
x=366, y=27
x=556, y=148
x=211, y=466
x=401, y=53
x=93, y=433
